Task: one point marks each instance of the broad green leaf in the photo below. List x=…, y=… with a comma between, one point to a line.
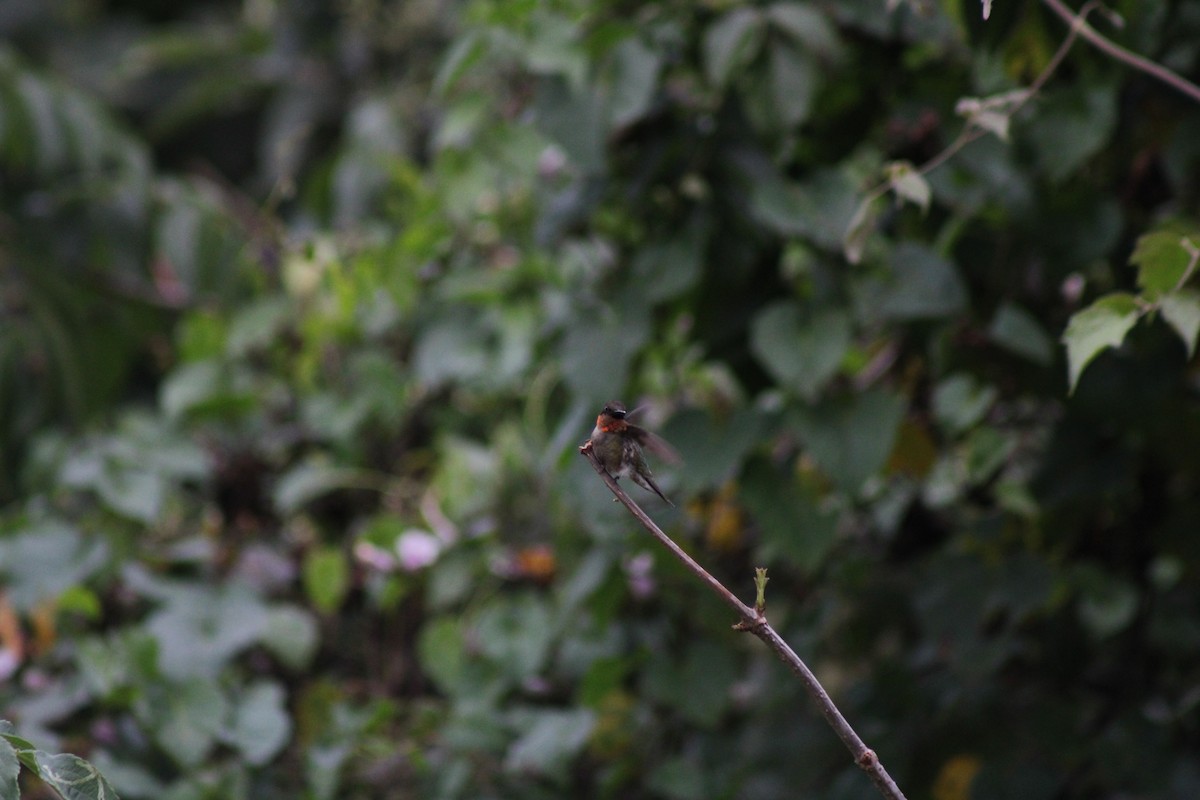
x=708, y=673
x=794, y=82
x=1161, y=259
x=326, y=578
x=206, y=386
x=440, y=647
x=291, y=635
x=45, y=559
x=72, y=777
x=731, y=42
x=576, y=120
x=667, y=268
x=261, y=725
x=1102, y=324
x=550, y=740
x=959, y=402
x=850, y=438
x=802, y=354
x=807, y=26
x=10, y=768
x=1071, y=125
x=186, y=718
x=923, y=285
x=1017, y=331
x=134, y=493
x=634, y=80
x=516, y=634
x=820, y=209
x=201, y=628
x=793, y=526
x=712, y=446
x=310, y=480
x=1182, y=311
x=680, y=778
x=595, y=355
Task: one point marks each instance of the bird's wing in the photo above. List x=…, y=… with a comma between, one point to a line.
x=656, y=444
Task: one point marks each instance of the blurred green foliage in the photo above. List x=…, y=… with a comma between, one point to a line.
x=307, y=305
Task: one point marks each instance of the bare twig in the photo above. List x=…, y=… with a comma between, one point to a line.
x=755, y=621
x=1114, y=50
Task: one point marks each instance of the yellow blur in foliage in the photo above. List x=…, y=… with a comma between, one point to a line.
x=955, y=778
x=725, y=528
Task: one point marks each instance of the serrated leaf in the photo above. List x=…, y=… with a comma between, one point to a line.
x=72, y=777
x=1181, y=310
x=1102, y=324
x=1161, y=260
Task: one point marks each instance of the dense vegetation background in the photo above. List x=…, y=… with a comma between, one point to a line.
x=306, y=306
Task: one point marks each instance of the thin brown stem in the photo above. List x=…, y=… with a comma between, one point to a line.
x=755, y=622
x=1116, y=51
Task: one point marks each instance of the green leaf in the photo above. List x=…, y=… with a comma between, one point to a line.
x=44, y=560
x=596, y=355
x=908, y=184
x=10, y=768
x=861, y=226
x=202, y=628
x=1161, y=260
x=800, y=354
x=443, y=659
x=959, y=402
x=794, y=82
x=819, y=209
x=1107, y=603
x=634, y=80
x=1071, y=125
x=72, y=777
x=291, y=635
x=1102, y=324
x=807, y=26
x=705, y=679
x=187, y=718
x=326, y=578
x=1017, y=331
x=793, y=526
x=712, y=447
x=261, y=725
x=516, y=634
x=308, y=481
x=851, y=438
x=923, y=285
x=731, y=42
x=1181, y=310
x=550, y=740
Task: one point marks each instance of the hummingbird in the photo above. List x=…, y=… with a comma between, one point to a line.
x=618, y=444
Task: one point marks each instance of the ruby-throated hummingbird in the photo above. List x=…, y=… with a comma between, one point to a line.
x=618, y=444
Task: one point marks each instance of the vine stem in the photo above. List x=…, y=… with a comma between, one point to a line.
x=1113, y=50
x=755, y=622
